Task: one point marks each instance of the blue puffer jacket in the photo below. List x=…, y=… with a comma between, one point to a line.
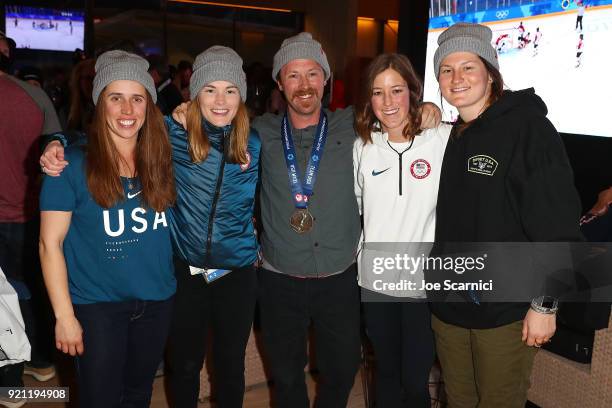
x=212, y=221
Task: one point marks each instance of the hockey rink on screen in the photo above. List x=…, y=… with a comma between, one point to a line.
x=64, y=38
x=577, y=97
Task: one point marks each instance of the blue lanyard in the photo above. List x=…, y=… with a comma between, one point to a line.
x=301, y=191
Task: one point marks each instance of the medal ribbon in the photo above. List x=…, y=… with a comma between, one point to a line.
x=300, y=192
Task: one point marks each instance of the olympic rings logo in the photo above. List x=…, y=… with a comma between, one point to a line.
x=501, y=14
x=566, y=3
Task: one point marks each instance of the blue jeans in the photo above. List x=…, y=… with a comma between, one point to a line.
x=124, y=343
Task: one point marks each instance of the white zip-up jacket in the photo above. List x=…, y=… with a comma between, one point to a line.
x=396, y=185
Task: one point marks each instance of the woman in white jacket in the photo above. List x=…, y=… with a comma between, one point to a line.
x=397, y=170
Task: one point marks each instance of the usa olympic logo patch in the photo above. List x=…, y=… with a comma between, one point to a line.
x=420, y=168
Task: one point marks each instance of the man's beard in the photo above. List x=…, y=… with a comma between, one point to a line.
x=305, y=106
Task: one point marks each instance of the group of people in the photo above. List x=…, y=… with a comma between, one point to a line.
x=147, y=234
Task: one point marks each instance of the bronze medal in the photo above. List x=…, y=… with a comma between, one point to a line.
x=301, y=220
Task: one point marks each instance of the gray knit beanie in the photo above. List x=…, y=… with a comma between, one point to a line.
x=117, y=65
x=300, y=46
x=475, y=38
x=217, y=63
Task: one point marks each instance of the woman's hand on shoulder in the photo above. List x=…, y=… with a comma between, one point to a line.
x=52, y=160
x=431, y=116
x=179, y=113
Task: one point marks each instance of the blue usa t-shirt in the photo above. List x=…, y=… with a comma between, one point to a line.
x=116, y=254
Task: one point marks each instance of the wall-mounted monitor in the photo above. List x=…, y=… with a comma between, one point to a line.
x=44, y=28
x=538, y=44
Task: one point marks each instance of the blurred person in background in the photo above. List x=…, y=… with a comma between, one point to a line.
x=258, y=88
x=181, y=79
x=26, y=113
x=276, y=103
x=32, y=76
x=338, y=100
x=168, y=95
x=81, y=106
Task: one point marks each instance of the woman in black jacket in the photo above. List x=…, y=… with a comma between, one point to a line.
x=505, y=178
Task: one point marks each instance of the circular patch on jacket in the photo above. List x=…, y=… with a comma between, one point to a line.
x=301, y=197
x=246, y=165
x=420, y=168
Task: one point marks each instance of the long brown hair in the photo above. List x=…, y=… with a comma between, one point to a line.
x=153, y=159
x=199, y=145
x=366, y=121
x=497, y=89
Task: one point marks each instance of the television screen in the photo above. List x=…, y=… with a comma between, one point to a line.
x=45, y=29
x=559, y=47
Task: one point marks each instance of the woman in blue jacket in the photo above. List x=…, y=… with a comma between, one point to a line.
x=216, y=170
x=216, y=166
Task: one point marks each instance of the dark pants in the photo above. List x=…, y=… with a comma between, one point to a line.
x=288, y=305
x=10, y=375
x=19, y=261
x=124, y=344
x=579, y=22
x=226, y=307
x=403, y=343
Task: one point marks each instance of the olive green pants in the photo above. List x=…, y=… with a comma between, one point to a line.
x=484, y=368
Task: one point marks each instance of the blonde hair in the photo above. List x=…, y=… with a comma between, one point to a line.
x=199, y=145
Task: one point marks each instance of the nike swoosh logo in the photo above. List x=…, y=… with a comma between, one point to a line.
x=376, y=173
x=130, y=195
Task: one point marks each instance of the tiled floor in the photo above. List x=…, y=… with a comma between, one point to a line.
x=255, y=397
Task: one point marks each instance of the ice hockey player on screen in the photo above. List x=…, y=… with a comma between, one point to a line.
x=536, y=41
x=502, y=43
x=579, y=49
x=525, y=40
x=581, y=8
x=521, y=30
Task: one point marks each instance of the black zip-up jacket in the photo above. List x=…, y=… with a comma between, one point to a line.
x=506, y=178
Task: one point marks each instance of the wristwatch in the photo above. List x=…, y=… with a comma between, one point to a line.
x=545, y=305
